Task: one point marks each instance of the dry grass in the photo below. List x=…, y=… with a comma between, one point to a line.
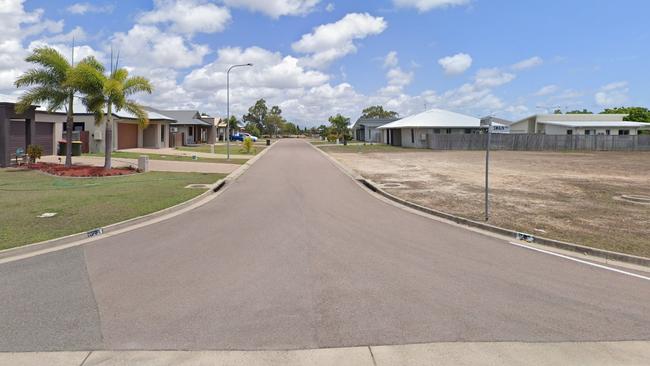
x=565, y=196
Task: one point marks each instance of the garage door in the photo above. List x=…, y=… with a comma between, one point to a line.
x=127, y=136
x=44, y=137
x=16, y=136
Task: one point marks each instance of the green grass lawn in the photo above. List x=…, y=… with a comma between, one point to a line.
x=359, y=148
x=131, y=155
x=84, y=204
x=235, y=149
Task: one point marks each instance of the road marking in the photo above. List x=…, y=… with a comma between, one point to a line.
x=581, y=261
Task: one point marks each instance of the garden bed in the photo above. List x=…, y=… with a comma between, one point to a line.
x=80, y=170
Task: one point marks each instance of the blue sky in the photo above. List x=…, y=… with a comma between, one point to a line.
x=318, y=58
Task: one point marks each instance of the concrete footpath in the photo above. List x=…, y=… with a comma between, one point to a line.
x=501, y=353
x=154, y=165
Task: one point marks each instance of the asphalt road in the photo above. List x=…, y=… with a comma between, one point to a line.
x=297, y=255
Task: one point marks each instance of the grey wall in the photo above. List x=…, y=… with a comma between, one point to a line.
x=526, y=142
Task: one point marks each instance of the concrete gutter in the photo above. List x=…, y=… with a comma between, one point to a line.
x=30, y=250
x=571, y=247
x=455, y=353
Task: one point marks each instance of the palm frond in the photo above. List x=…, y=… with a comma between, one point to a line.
x=137, y=84
x=38, y=77
x=120, y=75
x=86, y=78
x=50, y=59
x=53, y=98
x=140, y=113
x=94, y=63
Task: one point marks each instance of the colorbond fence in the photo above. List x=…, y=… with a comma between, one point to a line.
x=522, y=142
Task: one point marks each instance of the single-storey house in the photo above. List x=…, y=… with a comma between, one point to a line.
x=189, y=128
x=127, y=133
x=577, y=124
x=416, y=130
x=32, y=127
x=365, y=129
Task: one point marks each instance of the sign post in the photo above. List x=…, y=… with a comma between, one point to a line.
x=487, y=123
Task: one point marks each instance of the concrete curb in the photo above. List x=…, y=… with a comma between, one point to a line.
x=51, y=245
x=576, y=248
x=444, y=353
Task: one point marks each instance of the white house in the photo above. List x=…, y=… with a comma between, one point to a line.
x=577, y=124
x=365, y=129
x=416, y=130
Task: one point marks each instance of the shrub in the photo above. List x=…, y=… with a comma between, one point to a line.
x=34, y=152
x=247, y=145
x=332, y=137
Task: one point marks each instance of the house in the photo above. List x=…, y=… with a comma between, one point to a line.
x=127, y=133
x=416, y=130
x=32, y=127
x=577, y=124
x=188, y=128
x=365, y=129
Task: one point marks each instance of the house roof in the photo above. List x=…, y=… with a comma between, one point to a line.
x=595, y=124
x=182, y=117
x=373, y=121
x=436, y=118
x=80, y=110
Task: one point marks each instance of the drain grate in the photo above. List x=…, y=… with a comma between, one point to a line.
x=392, y=185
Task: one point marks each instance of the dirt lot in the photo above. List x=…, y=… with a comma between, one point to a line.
x=567, y=196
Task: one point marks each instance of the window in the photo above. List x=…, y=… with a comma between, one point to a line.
x=587, y=132
x=162, y=133
x=436, y=131
x=412, y=136
x=468, y=130
x=569, y=132
x=189, y=129
x=623, y=132
x=449, y=131
x=608, y=132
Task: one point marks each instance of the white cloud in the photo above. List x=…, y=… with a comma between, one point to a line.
x=456, y=64
x=188, y=16
x=147, y=45
x=83, y=8
x=546, y=90
x=493, y=77
x=528, y=63
x=426, y=5
x=613, y=94
x=332, y=41
x=330, y=7
x=391, y=59
x=276, y=8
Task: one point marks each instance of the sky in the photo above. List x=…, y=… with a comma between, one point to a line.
x=317, y=58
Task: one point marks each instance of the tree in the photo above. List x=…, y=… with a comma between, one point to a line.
x=233, y=124
x=340, y=126
x=252, y=129
x=257, y=114
x=635, y=114
x=110, y=93
x=557, y=111
x=378, y=111
x=290, y=129
x=50, y=86
x=584, y=111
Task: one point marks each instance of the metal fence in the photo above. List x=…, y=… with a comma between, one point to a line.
x=522, y=142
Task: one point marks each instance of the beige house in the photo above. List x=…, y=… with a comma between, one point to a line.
x=577, y=124
x=127, y=133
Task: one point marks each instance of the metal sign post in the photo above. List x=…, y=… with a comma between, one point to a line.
x=487, y=122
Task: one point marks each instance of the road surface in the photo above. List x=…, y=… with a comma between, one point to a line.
x=296, y=255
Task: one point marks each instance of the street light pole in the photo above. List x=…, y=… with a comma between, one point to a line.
x=228, y=106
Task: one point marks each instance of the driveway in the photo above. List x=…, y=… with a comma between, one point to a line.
x=154, y=165
x=296, y=255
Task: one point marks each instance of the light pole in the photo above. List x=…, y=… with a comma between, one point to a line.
x=228, y=105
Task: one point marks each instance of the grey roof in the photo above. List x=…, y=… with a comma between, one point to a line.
x=123, y=114
x=182, y=117
x=373, y=121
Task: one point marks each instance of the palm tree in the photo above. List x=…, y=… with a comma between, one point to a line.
x=105, y=94
x=51, y=87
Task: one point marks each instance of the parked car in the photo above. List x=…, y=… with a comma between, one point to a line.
x=241, y=136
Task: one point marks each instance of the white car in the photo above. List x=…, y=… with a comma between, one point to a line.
x=246, y=134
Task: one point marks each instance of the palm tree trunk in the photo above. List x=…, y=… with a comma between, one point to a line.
x=68, y=134
x=108, y=148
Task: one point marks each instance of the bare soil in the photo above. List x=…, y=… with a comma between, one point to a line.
x=80, y=170
x=570, y=196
